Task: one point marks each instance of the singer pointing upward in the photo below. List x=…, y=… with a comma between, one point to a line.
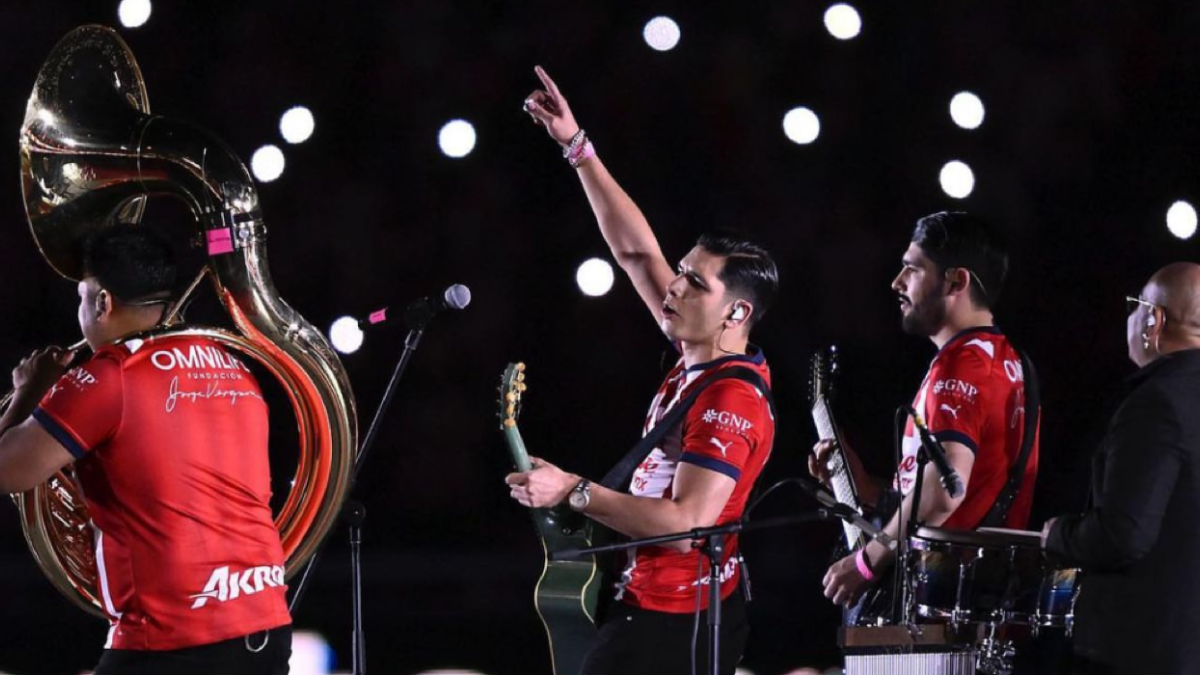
x=972, y=398
x=700, y=473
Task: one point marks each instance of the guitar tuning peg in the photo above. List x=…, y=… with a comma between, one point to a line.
x=509, y=396
x=521, y=386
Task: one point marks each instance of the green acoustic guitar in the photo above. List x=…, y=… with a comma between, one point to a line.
x=568, y=593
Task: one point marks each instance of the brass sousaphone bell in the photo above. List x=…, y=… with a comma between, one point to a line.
x=91, y=153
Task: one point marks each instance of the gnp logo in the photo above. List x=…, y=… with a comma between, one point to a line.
x=224, y=586
x=81, y=377
x=728, y=420
x=195, y=357
x=956, y=387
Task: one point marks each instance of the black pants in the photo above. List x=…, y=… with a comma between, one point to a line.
x=640, y=642
x=230, y=657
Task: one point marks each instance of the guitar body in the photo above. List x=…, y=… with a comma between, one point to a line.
x=567, y=596
x=569, y=592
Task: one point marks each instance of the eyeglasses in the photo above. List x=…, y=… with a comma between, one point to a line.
x=1131, y=304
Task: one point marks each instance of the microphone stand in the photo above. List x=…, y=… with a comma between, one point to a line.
x=353, y=511
x=909, y=531
x=711, y=542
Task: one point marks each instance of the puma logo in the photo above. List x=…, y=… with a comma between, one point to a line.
x=722, y=446
x=952, y=411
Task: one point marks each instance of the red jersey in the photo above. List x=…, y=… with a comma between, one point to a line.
x=729, y=429
x=974, y=394
x=170, y=437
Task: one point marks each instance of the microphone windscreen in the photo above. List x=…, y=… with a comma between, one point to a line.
x=458, y=296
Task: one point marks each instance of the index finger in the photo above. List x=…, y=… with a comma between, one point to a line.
x=545, y=78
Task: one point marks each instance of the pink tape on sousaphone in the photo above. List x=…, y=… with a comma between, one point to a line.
x=220, y=241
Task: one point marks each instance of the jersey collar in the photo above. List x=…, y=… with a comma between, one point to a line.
x=989, y=330
x=754, y=356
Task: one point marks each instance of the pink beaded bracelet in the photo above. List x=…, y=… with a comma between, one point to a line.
x=864, y=568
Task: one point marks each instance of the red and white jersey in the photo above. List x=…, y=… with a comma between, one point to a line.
x=974, y=394
x=170, y=437
x=729, y=429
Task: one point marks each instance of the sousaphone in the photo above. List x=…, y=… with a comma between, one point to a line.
x=91, y=153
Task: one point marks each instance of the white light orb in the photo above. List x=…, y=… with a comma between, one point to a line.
x=966, y=110
x=133, y=13
x=267, y=163
x=595, y=277
x=843, y=22
x=345, y=335
x=957, y=179
x=801, y=125
x=311, y=654
x=296, y=125
x=1181, y=220
x=661, y=33
x=457, y=138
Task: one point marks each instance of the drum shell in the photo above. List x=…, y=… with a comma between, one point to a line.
x=988, y=576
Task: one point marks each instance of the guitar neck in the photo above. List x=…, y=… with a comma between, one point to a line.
x=516, y=447
x=841, y=480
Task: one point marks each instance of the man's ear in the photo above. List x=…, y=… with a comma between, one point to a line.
x=104, y=303
x=959, y=278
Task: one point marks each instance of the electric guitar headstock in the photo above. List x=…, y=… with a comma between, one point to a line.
x=823, y=370
x=512, y=385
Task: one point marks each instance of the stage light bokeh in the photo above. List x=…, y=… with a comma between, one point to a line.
x=297, y=125
x=843, y=21
x=801, y=125
x=957, y=179
x=966, y=109
x=134, y=13
x=267, y=163
x=661, y=33
x=595, y=277
x=1181, y=220
x=345, y=335
x=457, y=138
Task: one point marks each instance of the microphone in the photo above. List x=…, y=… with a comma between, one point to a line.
x=419, y=312
x=950, y=478
x=846, y=513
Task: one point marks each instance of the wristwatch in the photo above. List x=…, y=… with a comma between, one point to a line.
x=581, y=496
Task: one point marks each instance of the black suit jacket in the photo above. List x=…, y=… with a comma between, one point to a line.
x=1139, y=544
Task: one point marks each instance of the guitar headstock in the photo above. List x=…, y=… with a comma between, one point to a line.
x=512, y=385
x=823, y=368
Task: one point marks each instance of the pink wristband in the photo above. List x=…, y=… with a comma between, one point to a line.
x=582, y=154
x=860, y=561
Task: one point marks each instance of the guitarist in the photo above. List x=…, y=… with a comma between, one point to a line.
x=972, y=398
x=701, y=472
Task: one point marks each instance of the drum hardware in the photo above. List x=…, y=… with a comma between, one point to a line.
x=971, y=585
x=995, y=656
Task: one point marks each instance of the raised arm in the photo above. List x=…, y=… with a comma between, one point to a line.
x=622, y=224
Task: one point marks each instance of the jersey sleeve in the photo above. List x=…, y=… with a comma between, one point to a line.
x=954, y=408
x=724, y=426
x=83, y=409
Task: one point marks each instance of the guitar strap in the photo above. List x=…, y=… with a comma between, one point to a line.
x=619, y=476
x=997, y=515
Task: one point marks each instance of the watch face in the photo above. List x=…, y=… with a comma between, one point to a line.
x=578, y=500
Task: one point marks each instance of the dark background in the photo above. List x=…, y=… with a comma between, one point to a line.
x=1088, y=138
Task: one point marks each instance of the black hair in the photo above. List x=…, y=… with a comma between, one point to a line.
x=131, y=262
x=749, y=269
x=957, y=239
